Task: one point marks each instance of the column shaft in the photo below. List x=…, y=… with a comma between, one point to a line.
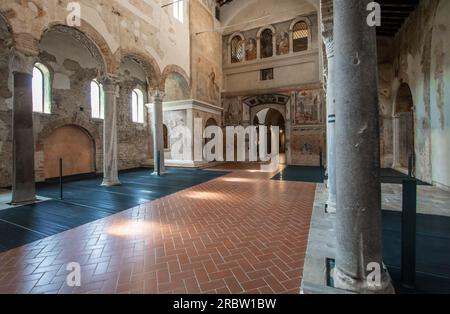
x=23, y=184
x=358, y=217
x=158, y=132
x=331, y=145
x=110, y=150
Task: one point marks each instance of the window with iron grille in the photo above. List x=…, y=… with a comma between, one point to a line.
x=237, y=49
x=300, y=35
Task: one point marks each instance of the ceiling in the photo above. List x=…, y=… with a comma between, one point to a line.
x=393, y=15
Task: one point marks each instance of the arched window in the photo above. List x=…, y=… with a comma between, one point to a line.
x=237, y=49
x=165, y=136
x=300, y=36
x=41, y=89
x=97, y=100
x=267, y=43
x=137, y=106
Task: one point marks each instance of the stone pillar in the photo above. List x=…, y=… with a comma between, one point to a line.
x=157, y=128
x=331, y=145
x=23, y=184
x=110, y=150
x=358, y=216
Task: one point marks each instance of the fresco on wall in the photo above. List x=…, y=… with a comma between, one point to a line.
x=250, y=49
x=308, y=108
x=176, y=88
x=283, y=43
x=307, y=147
x=233, y=111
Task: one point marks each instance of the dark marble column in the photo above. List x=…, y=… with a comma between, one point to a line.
x=110, y=149
x=23, y=185
x=358, y=212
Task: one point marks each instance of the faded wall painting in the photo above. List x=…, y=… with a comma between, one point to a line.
x=250, y=49
x=307, y=147
x=308, y=109
x=283, y=43
x=232, y=111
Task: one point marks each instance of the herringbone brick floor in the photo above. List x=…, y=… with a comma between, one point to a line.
x=241, y=233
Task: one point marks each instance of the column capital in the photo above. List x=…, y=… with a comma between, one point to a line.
x=109, y=83
x=21, y=63
x=157, y=95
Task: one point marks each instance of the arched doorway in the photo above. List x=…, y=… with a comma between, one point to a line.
x=404, y=128
x=75, y=146
x=271, y=117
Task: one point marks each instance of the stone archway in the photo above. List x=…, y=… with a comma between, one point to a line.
x=404, y=128
x=272, y=115
x=74, y=146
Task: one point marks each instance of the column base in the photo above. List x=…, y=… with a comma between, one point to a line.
x=345, y=282
x=107, y=182
x=24, y=202
x=161, y=173
x=330, y=206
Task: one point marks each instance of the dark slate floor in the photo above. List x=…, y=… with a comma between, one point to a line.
x=316, y=175
x=301, y=174
x=433, y=236
x=86, y=201
x=432, y=250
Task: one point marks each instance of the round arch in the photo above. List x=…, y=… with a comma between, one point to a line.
x=229, y=46
x=255, y=110
x=291, y=32
x=89, y=128
x=91, y=39
x=258, y=39
x=148, y=63
x=172, y=68
x=404, y=128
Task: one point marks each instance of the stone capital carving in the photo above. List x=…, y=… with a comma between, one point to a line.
x=156, y=96
x=109, y=84
x=20, y=62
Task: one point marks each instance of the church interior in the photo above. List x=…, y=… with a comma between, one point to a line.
x=100, y=189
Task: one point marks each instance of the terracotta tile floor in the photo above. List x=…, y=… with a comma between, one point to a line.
x=241, y=233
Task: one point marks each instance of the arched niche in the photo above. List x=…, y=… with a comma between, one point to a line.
x=404, y=128
x=75, y=146
x=176, y=87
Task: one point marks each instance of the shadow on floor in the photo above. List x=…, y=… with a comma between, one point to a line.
x=432, y=248
x=86, y=201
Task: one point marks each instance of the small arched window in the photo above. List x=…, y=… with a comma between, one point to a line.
x=300, y=36
x=41, y=89
x=137, y=106
x=97, y=100
x=267, y=43
x=237, y=49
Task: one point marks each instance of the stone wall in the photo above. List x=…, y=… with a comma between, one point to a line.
x=156, y=45
x=420, y=60
x=206, y=47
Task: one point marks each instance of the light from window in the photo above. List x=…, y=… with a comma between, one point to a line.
x=266, y=44
x=97, y=100
x=300, y=35
x=137, y=106
x=41, y=89
x=237, y=49
x=178, y=10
